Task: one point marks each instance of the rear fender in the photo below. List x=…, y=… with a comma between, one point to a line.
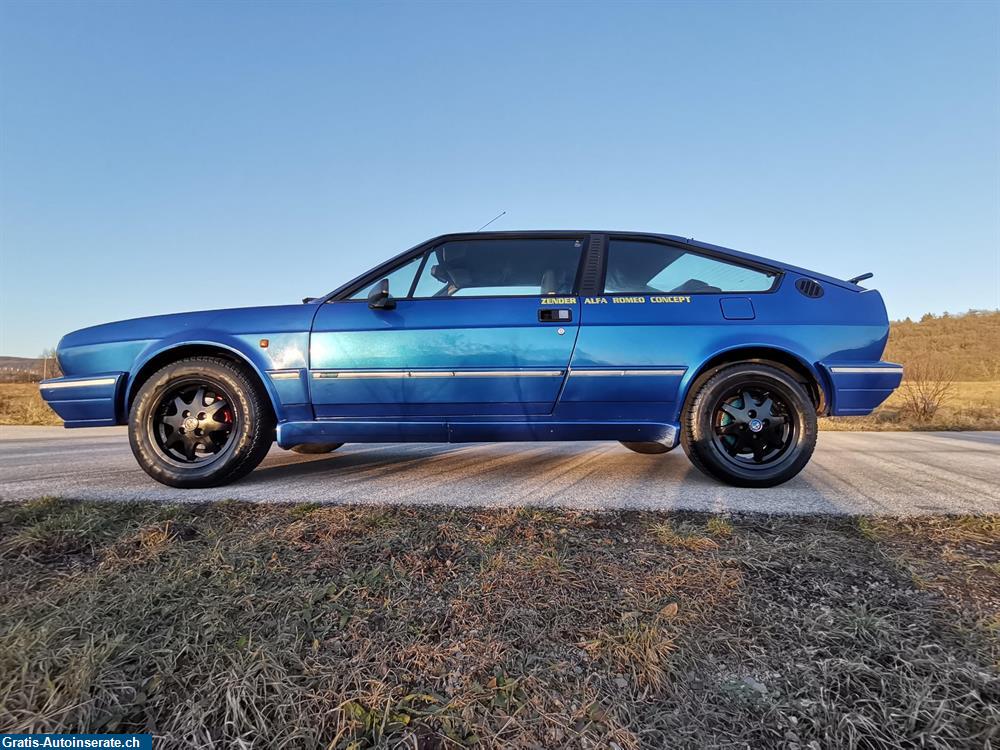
x=757, y=351
x=859, y=387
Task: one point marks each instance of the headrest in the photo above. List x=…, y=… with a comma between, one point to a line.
x=550, y=284
x=696, y=285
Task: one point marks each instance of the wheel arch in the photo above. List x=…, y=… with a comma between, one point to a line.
x=793, y=364
x=153, y=361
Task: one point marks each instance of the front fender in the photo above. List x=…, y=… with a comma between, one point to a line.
x=286, y=352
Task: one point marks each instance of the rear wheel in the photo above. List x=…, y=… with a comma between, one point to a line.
x=750, y=425
x=200, y=422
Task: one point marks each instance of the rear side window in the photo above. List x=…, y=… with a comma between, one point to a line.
x=500, y=268
x=649, y=267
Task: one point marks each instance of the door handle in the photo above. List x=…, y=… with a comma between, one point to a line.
x=555, y=315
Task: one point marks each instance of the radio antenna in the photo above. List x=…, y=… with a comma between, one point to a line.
x=491, y=221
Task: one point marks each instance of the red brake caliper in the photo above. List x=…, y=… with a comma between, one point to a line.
x=227, y=413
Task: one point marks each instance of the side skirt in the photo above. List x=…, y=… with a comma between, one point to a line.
x=384, y=431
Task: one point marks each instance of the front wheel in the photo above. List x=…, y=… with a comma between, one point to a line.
x=750, y=425
x=200, y=422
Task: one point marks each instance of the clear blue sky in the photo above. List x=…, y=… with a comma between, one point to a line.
x=267, y=151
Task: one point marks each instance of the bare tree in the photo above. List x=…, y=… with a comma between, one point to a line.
x=50, y=365
x=928, y=383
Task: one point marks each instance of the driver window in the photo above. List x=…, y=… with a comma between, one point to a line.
x=400, y=281
x=649, y=268
x=500, y=268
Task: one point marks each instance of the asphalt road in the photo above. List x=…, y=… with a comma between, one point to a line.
x=850, y=472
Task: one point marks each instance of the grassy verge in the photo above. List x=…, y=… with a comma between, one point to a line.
x=233, y=625
x=21, y=403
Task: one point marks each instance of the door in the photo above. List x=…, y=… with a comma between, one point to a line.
x=662, y=310
x=474, y=327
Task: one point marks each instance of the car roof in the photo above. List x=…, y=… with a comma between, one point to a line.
x=717, y=250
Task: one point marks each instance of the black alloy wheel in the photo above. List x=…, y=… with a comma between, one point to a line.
x=200, y=422
x=749, y=424
x=194, y=421
x=752, y=425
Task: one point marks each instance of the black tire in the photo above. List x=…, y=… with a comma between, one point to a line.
x=650, y=449
x=186, y=437
x=310, y=449
x=749, y=425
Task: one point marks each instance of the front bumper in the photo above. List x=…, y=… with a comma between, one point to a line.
x=858, y=387
x=85, y=401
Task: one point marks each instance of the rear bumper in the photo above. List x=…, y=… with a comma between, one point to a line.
x=90, y=401
x=858, y=387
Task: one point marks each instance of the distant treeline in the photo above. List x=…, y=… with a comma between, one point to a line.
x=29, y=369
x=968, y=344
x=20, y=375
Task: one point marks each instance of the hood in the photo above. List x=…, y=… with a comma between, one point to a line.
x=276, y=318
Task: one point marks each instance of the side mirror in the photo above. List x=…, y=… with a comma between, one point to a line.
x=378, y=297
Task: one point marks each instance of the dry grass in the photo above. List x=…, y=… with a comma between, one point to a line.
x=965, y=406
x=340, y=627
x=956, y=557
x=21, y=403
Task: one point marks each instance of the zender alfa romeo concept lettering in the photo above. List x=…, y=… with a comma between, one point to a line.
x=651, y=340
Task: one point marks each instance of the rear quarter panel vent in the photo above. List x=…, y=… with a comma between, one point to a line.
x=809, y=288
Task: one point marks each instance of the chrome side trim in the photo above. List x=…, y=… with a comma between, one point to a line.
x=77, y=383
x=508, y=374
x=348, y=375
x=866, y=370
x=355, y=374
x=669, y=371
x=283, y=374
x=623, y=373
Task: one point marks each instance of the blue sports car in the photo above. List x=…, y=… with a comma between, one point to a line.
x=648, y=339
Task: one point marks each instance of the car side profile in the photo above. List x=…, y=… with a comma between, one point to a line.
x=647, y=339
